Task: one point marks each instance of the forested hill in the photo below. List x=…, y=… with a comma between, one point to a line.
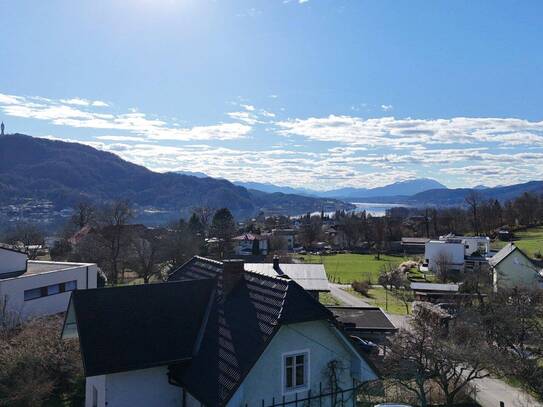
x=66, y=173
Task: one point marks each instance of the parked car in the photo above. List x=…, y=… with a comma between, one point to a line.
x=392, y=405
x=364, y=345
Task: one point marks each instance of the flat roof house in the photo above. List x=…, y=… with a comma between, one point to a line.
x=31, y=288
x=214, y=335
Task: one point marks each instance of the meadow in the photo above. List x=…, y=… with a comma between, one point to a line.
x=346, y=268
x=530, y=241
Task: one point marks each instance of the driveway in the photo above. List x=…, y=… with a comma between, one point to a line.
x=491, y=391
x=345, y=297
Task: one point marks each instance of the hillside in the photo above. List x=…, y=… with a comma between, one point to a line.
x=457, y=196
x=66, y=173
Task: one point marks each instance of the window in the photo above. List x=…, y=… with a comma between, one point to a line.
x=70, y=285
x=32, y=294
x=94, y=397
x=295, y=370
x=53, y=289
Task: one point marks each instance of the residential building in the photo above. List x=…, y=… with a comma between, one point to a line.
x=311, y=277
x=511, y=267
x=414, y=245
x=214, y=335
x=31, y=288
x=250, y=244
x=288, y=234
x=451, y=251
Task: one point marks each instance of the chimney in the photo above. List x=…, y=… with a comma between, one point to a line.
x=276, y=263
x=276, y=266
x=232, y=274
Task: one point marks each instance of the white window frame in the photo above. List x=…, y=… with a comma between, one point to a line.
x=307, y=365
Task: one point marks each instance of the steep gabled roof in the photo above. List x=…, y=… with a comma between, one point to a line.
x=502, y=254
x=239, y=328
x=141, y=326
x=505, y=252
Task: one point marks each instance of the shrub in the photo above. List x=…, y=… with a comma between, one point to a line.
x=361, y=287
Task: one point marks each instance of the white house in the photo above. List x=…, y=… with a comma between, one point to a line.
x=511, y=267
x=453, y=250
x=251, y=244
x=215, y=335
x=30, y=288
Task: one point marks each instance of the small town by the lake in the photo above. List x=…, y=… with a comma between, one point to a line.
x=271, y=203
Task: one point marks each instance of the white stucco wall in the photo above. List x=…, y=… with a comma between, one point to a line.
x=11, y=261
x=454, y=251
x=515, y=271
x=12, y=289
x=137, y=388
x=323, y=343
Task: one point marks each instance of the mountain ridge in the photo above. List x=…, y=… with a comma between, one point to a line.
x=407, y=188
x=66, y=173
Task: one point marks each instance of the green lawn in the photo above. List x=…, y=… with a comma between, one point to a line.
x=345, y=268
x=377, y=297
x=530, y=241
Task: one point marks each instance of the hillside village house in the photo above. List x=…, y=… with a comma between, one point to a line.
x=250, y=244
x=214, y=335
x=511, y=267
x=30, y=288
x=456, y=251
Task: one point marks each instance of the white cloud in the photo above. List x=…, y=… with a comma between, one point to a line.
x=78, y=113
x=387, y=108
x=406, y=133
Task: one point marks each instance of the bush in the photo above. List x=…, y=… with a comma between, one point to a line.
x=361, y=287
x=37, y=366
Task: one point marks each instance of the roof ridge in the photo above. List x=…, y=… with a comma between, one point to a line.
x=207, y=260
x=284, y=277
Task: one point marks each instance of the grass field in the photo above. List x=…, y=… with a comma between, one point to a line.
x=377, y=297
x=346, y=268
x=530, y=241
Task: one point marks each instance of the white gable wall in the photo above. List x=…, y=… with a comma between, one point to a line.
x=515, y=271
x=12, y=261
x=136, y=388
x=323, y=343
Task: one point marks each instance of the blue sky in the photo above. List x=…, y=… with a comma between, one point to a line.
x=317, y=93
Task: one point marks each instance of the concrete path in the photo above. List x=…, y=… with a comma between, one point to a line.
x=345, y=297
x=491, y=391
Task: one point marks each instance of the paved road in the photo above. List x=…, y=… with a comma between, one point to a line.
x=491, y=391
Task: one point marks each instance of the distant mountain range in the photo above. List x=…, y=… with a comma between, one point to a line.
x=404, y=188
x=66, y=173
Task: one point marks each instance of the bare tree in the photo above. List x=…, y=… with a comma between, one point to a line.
x=114, y=236
x=84, y=214
x=473, y=200
x=443, y=263
x=147, y=254
x=27, y=235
